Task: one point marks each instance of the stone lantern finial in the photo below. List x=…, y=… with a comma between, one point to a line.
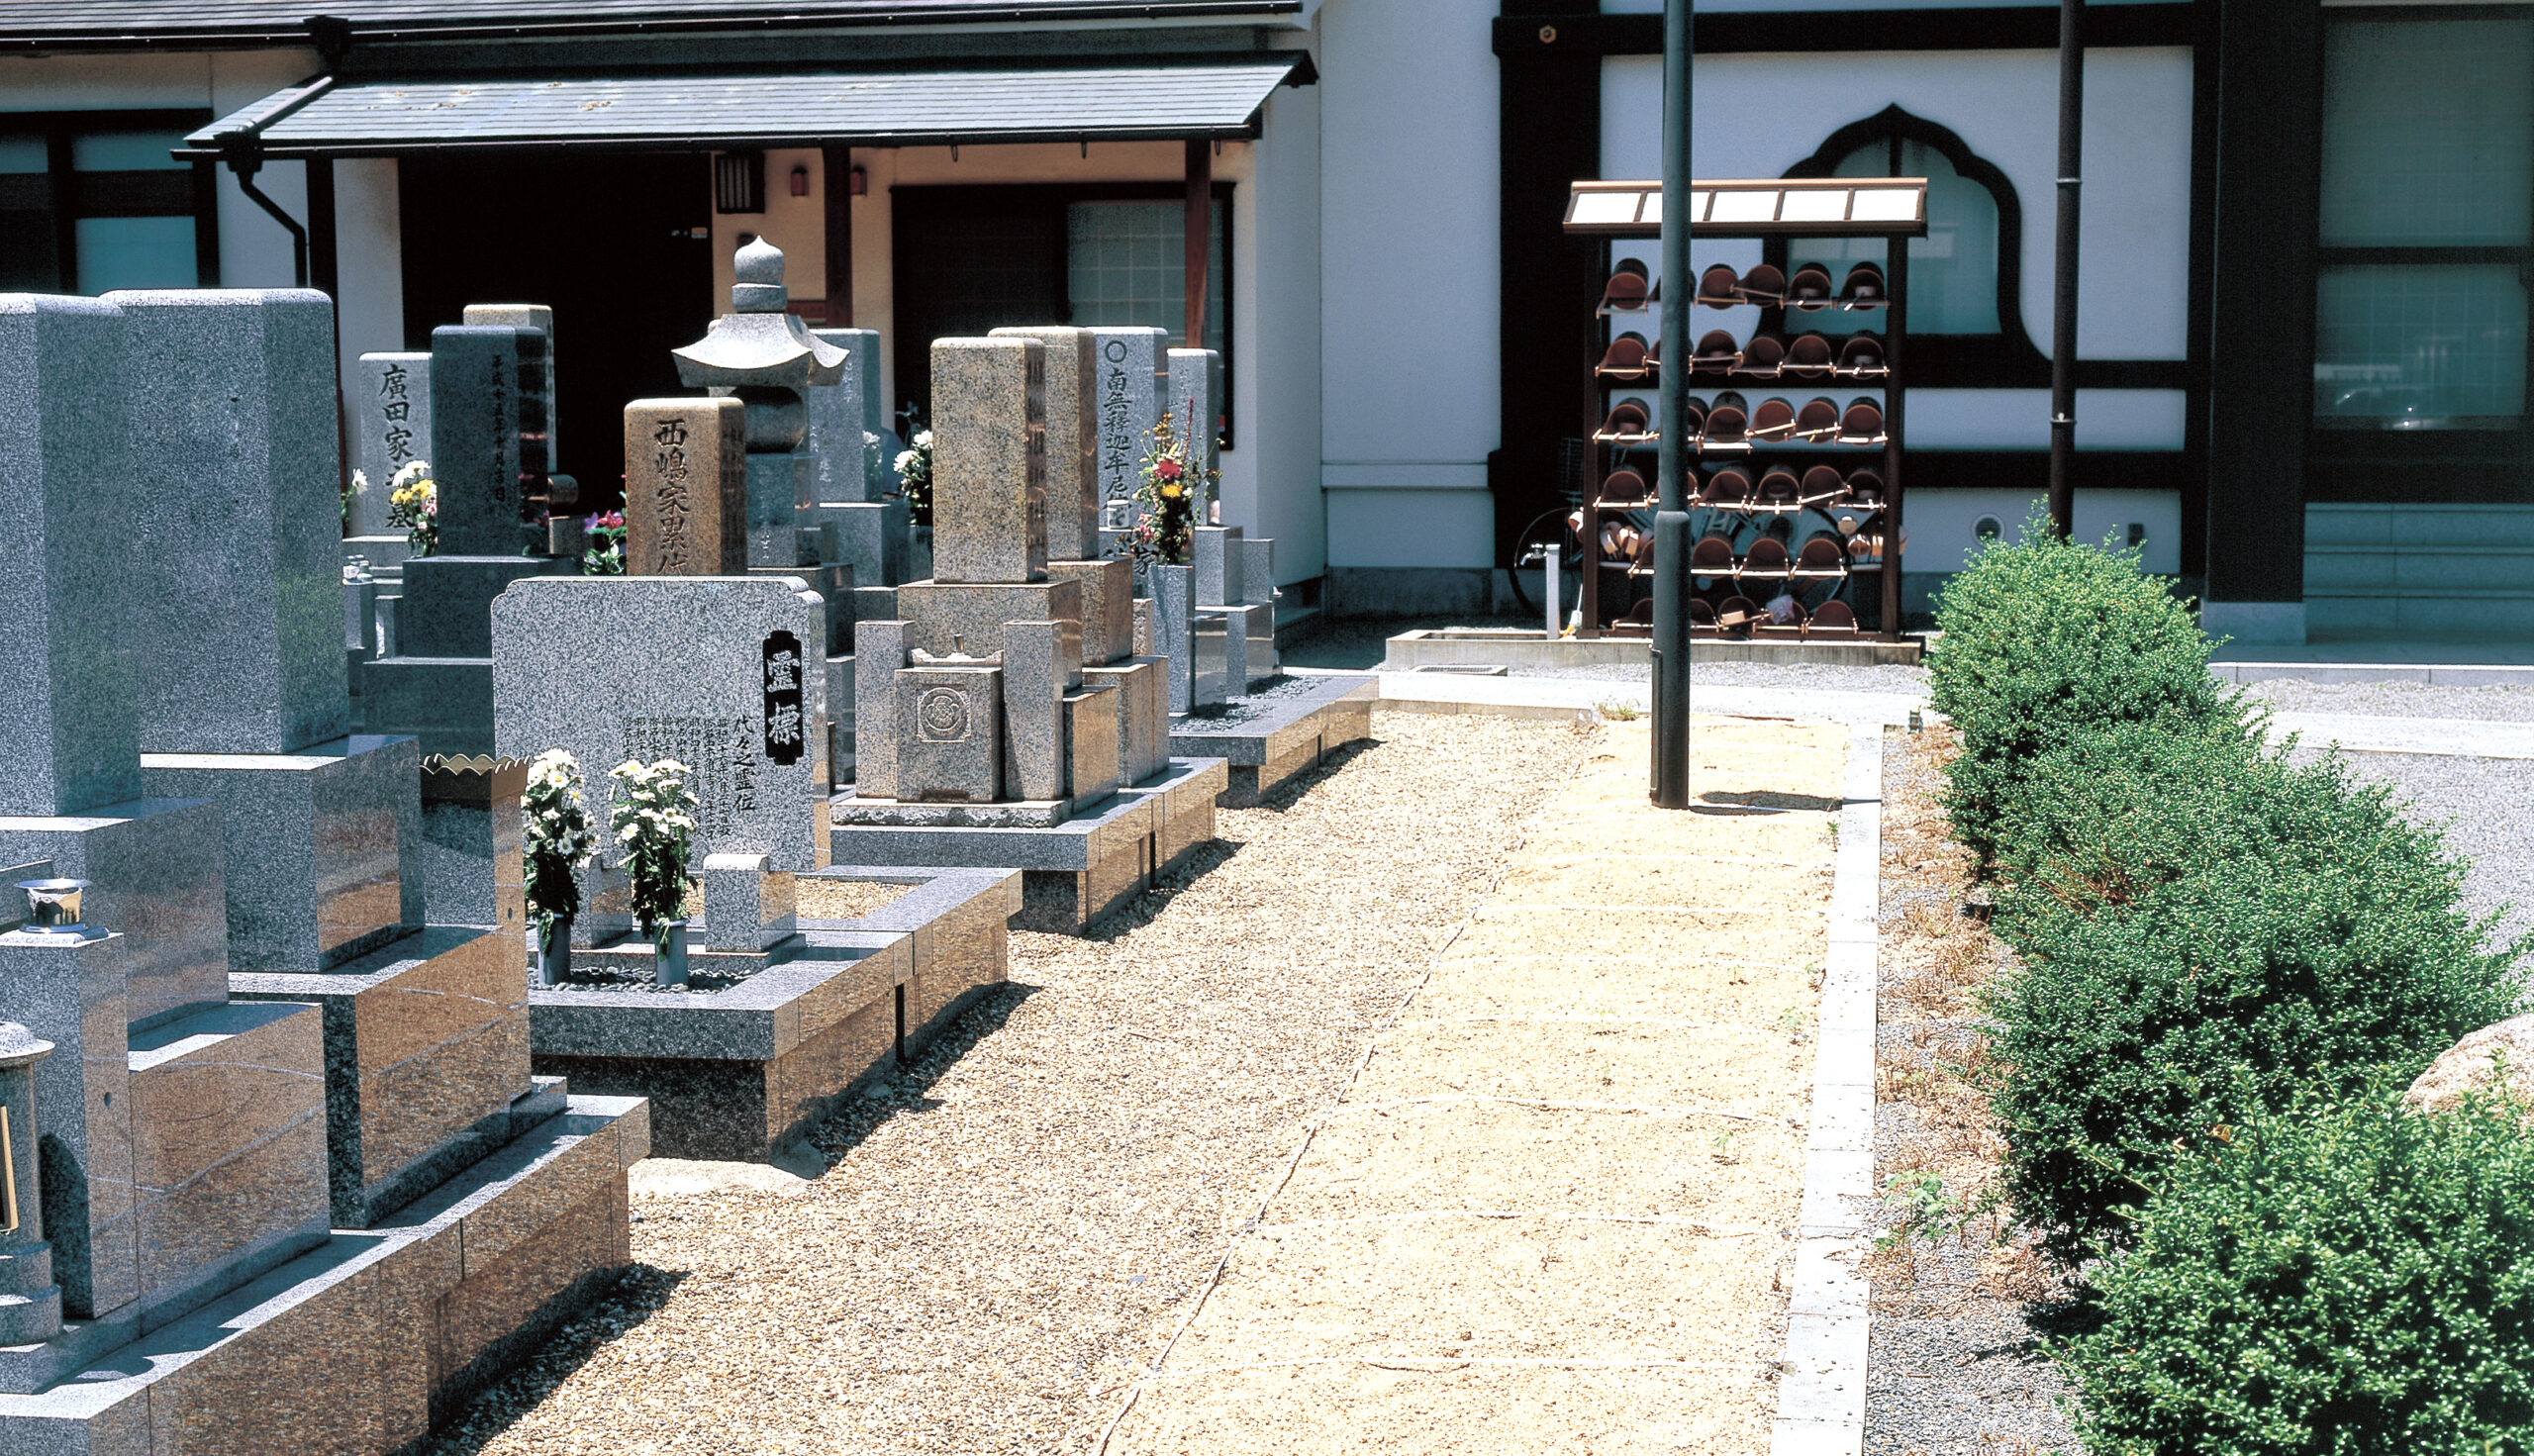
x=760, y=289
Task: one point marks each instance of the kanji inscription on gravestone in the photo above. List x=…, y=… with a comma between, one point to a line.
x=784, y=731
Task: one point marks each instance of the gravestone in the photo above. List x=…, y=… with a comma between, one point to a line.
x=484, y=433
x=538, y=380
x=836, y=423
x=391, y=414
x=685, y=488
x=711, y=671
x=1073, y=440
x=1127, y=366
x=1196, y=391
x=989, y=460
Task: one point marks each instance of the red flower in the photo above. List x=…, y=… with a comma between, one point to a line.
x=1167, y=469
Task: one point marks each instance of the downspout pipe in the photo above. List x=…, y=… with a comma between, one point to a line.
x=238, y=149
x=1671, y=766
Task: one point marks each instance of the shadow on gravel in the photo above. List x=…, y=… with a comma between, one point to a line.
x=1767, y=802
x=1293, y=790
x=640, y=1295
x=1142, y=909
x=887, y=1090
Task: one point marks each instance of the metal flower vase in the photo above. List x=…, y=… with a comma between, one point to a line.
x=555, y=952
x=668, y=955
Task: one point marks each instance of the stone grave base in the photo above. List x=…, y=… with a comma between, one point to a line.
x=367, y=1342
x=1077, y=871
x=761, y=1046
x=447, y=702
x=1279, y=731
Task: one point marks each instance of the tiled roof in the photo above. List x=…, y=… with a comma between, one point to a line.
x=90, y=23
x=1110, y=103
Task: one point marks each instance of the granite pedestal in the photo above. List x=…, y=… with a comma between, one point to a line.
x=1074, y=872
x=735, y=1068
x=1280, y=732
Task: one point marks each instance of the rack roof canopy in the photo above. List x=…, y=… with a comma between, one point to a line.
x=1777, y=207
x=324, y=117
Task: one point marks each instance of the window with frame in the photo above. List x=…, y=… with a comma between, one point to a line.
x=1965, y=314
x=91, y=202
x=2427, y=227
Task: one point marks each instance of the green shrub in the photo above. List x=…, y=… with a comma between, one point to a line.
x=2043, y=640
x=2210, y=931
x=2355, y=1280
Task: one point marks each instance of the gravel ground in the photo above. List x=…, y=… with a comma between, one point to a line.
x=1955, y=1365
x=1008, y=1235
x=2504, y=703
x=2487, y=808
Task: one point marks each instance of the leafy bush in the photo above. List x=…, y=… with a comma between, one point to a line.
x=2207, y=931
x=2355, y=1280
x=2045, y=640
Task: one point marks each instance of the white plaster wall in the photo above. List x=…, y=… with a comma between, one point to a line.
x=1756, y=115
x=1280, y=346
x=1409, y=279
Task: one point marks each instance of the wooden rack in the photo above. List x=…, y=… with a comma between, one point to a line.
x=1768, y=451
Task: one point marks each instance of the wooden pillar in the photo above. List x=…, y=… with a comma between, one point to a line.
x=837, y=163
x=1199, y=230
x=325, y=268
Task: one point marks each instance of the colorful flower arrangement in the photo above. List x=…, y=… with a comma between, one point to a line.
x=555, y=840
x=413, y=506
x=1166, y=518
x=606, y=553
x=653, y=819
x=915, y=468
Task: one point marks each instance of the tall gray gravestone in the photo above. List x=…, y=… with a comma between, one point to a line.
x=72, y=593
x=391, y=418
x=539, y=380
x=1197, y=392
x=1128, y=382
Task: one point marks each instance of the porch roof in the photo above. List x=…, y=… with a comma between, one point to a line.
x=322, y=117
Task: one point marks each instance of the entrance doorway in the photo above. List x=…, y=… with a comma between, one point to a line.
x=617, y=244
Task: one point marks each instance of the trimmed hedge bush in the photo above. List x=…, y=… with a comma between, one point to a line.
x=2213, y=932
x=2337, y=1282
x=2045, y=640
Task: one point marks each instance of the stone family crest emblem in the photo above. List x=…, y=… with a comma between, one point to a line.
x=941, y=716
x=784, y=731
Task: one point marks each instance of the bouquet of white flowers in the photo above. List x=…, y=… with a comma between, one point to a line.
x=654, y=822
x=915, y=468
x=555, y=840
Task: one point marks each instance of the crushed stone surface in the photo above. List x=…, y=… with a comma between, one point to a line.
x=1005, y=1237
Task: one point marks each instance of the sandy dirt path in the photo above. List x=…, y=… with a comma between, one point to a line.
x=1555, y=1209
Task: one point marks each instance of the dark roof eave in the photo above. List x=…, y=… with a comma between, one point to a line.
x=981, y=17
x=584, y=143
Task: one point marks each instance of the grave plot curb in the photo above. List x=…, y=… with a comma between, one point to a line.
x=1821, y=1387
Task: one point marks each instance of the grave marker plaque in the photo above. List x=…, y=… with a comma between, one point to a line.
x=392, y=422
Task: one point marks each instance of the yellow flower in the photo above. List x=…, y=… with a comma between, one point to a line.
x=1171, y=492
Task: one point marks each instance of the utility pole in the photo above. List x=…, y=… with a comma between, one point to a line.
x=1672, y=514
x=2063, y=320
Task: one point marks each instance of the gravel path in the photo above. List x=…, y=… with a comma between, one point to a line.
x=1007, y=1238
x=1955, y=1364
x=2504, y=703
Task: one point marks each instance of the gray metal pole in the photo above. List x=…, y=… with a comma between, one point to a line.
x=1672, y=515
x=2063, y=321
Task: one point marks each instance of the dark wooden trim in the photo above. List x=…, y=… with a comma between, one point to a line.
x=1966, y=28
x=1196, y=221
x=206, y=210
x=325, y=258
x=2268, y=209
x=2202, y=284
x=835, y=179
x=65, y=214
x=1548, y=134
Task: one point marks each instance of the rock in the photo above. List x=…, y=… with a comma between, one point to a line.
x=2470, y=1065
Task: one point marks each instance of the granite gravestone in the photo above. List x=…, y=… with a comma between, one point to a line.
x=1073, y=440
x=685, y=488
x=711, y=671
x=483, y=434
x=392, y=424
x=1126, y=364
x=834, y=427
x=989, y=460
x=1197, y=394
x=539, y=378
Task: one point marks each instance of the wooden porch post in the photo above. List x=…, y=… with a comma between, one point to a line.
x=1198, y=230
x=836, y=167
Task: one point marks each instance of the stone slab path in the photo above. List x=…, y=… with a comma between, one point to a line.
x=1555, y=1208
